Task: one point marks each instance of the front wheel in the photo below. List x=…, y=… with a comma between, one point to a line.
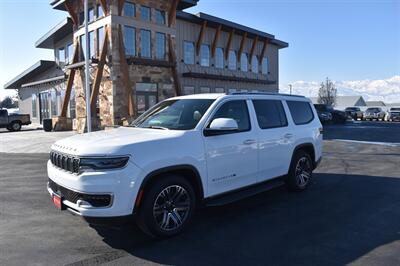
x=15, y=126
x=167, y=207
x=300, y=172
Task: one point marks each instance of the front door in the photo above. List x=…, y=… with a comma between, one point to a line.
x=146, y=96
x=44, y=106
x=232, y=158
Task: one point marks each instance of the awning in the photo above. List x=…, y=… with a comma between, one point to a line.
x=56, y=34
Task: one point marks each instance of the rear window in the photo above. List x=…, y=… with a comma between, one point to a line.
x=270, y=113
x=301, y=112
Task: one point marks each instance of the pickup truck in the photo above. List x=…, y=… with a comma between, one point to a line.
x=13, y=122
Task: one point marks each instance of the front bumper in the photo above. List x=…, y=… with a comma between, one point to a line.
x=87, y=194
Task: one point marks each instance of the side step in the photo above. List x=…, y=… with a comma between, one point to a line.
x=243, y=193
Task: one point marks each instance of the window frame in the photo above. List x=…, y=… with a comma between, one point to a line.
x=215, y=111
x=147, y=46
x=160, y=13
x=125, y=27
x=143, y=7
x=134, y=9
x=262, y=65
x=221, y=57
x=291, y=113
x=184, y=53
x=246, y=58
x=255, y=59
x=61, y=60
x=205, y=46
x=282, y=119
x=231, y=52
x=164, y=46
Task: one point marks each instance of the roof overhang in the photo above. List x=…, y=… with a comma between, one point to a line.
x=28, y=74
x=227, y=25
x=183, y=4
x=56, y=34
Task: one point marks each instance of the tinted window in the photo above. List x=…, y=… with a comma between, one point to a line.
x=236, y=110
x=270, y=113
x=301, y=112
x=3, y=113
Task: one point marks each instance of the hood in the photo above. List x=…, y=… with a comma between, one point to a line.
x=111, y=142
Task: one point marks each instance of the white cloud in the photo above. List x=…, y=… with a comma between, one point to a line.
x=387, y=90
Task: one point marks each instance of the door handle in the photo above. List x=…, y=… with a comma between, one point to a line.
x=249, y=141
x=288, y=136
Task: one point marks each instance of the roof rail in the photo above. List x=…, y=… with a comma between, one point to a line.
x=265, y=93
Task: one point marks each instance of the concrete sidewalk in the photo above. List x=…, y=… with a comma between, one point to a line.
x=30, y=140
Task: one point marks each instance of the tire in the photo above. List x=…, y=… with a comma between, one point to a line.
x=296, y=181
x=163, y=221
x=47, y=125
x=15, y=126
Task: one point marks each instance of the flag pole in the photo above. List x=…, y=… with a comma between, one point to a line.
x=87, y=72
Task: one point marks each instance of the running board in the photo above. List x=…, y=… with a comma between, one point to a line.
x=243, y=193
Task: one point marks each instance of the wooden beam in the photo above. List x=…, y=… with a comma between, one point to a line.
x=120, y=7
x=129, y=90
x=172, y=13
x=172, y=60
x=103, y=4
x=201, y=37
x=242, y=44
x=99, y=73
x=253, y=48
x=69, y=7
x=216, y=38
x=264, y=49
x=228, y=44
x=70, y=81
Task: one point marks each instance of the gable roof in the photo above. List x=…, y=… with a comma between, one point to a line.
x=56, y=34
x=349, y=101
x=375, y=103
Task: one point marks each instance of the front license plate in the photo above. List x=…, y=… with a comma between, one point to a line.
x=57, y=201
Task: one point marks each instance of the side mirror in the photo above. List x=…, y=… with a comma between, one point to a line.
x=221, y=126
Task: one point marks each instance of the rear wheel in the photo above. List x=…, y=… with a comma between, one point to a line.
x=300, y=172
x=15, y=126
x=167, y=207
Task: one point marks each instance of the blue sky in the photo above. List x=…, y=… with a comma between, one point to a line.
x=343, y=39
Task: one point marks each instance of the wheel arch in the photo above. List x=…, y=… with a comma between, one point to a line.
x=307, y=147
x=189, y=172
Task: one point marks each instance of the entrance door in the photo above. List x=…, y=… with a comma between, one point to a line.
x=44, y=106
x=146, y=96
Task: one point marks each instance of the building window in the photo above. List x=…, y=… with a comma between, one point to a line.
x=130, y=41
x=219, y=58
x=232, y=60
x=82, y=46
x=145, y=13
x=70, y=53
x=91, y=14
x=100, y=11
x=205, y=55
x=188, y=51
x=254, y=64
x=219, y=90
x=129, y=9
x=160, y=46
x=91, y=44
x=61, y=55
x=100, y=37
x=160, y=17
x=53, y=97
x=72, y=105
x=205, y=90
x=244, y=62
x=145, y=43
x=264, y=66
x=34, y=105
x=188, y=90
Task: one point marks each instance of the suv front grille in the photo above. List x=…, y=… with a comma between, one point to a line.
x=101, y=200
x=65, y=162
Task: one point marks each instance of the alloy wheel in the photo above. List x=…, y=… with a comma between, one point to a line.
x=171, y=208
x=303, y=171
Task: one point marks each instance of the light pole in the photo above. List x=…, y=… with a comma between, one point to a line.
x=87, y=72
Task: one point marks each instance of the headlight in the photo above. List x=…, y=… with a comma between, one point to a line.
x=102, y=163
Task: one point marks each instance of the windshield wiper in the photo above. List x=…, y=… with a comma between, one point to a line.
x=158, y=127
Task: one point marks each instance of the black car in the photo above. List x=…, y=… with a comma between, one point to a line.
x=338, y=117
x=394, y=114
x=354, y=113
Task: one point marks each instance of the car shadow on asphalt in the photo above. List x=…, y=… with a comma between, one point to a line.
x=337, y=220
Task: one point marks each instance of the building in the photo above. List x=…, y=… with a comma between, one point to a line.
x=342, y=102
x=142, y=52
x=375, y=104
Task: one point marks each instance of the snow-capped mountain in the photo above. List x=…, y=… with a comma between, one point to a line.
x=387, y=90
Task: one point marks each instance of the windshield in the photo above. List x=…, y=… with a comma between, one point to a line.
x=395, y=110
x=182, y=114
x=373, y=110
x=352, y=109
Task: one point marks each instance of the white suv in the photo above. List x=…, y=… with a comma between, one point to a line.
x=186, y=152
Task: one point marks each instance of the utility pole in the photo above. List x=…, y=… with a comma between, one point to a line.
x=87, y=72
x=290, y=87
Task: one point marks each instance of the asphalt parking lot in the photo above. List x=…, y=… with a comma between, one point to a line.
x=349, y=215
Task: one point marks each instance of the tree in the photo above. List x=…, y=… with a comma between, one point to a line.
x=8, y=103
x=327, y=93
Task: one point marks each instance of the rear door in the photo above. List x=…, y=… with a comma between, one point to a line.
x=275, y=138
x=232, y=158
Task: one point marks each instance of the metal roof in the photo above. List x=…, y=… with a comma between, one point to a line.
x=56, y=34
x=183, y=4
x=228, y=25
x=28, y=74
